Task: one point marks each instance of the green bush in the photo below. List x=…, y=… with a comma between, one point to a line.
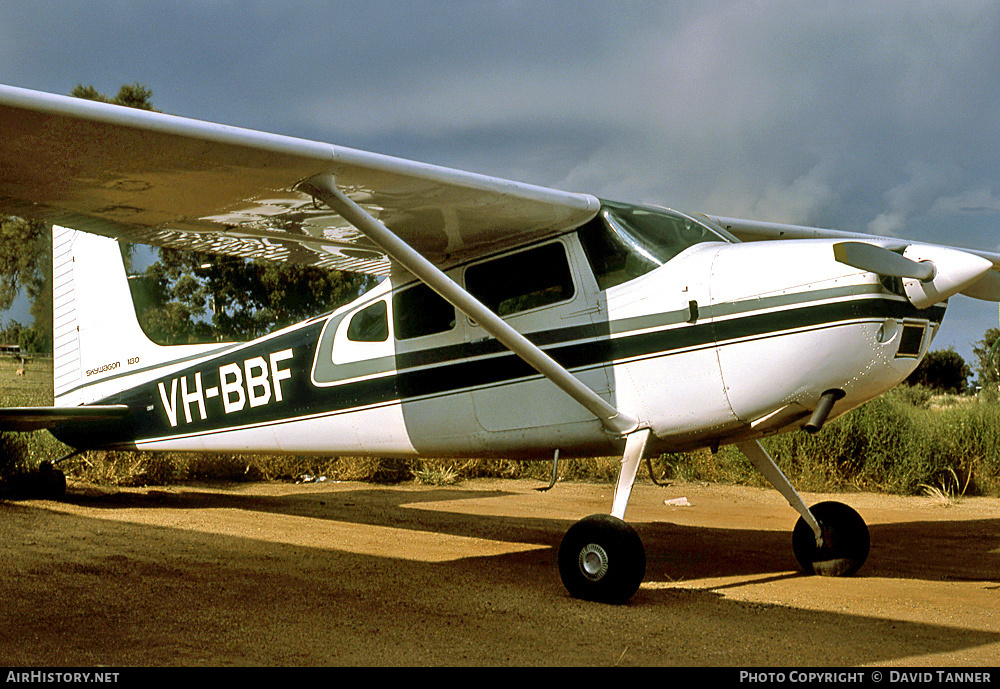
x=13, y=454
x=896, y=443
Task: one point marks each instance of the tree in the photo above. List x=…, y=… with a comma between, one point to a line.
x=988, y=360
x=136, y=96
x=943, y=370
x=11, y=333
x=187, y=297
x=26, y=265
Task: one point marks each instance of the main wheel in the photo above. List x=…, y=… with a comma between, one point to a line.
x=846, y=541
x=601, y=558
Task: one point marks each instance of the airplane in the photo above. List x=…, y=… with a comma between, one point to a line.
x=512, y=320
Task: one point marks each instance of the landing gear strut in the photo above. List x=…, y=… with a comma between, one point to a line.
x=601, y=558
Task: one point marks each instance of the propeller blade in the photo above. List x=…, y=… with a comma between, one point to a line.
x=875, y=259
x=986, y=288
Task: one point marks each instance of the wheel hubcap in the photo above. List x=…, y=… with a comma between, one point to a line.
x=593, y=562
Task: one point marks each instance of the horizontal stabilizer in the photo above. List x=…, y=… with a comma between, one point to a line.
x=39, y=418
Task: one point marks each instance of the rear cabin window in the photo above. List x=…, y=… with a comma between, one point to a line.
x=526, y=280
x=420, y=311
x=370, y=324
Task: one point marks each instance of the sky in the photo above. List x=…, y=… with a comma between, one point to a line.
x=873, y=117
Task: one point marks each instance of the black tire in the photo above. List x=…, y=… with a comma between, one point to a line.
x=51, y=481
x=846, y=541
x=602, y=559
x=46, y=483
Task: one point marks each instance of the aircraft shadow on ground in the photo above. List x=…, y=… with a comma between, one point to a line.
x=924, y=550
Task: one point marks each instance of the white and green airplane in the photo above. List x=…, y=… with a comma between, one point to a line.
x=513, y=320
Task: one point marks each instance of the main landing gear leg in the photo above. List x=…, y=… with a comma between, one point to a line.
x=830, y=539
x=601, y=558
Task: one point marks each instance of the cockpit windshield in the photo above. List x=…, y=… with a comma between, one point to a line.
x=626, y=241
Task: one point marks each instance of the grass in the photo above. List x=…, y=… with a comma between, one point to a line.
x=907, y=442
x=947, y=493
x=23, y=451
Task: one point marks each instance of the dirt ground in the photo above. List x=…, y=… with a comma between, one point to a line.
x=357, y=574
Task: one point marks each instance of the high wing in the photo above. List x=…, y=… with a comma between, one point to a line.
x=169, y=181
x=986, y=288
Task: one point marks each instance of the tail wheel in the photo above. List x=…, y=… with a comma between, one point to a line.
x=51, y=482
x=601, y=558
x=846, y=541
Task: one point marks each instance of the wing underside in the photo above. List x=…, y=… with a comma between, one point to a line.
x=169, y=181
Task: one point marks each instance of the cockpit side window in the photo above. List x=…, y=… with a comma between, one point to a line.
x=525, y=280
x=611, y=259
x=418, y=311
x=625, y=242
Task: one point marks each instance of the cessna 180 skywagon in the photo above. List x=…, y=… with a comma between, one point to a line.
x=514, y=321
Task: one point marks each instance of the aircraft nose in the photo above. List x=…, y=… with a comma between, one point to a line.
x=805, y=326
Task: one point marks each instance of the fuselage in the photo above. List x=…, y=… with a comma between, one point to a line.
x=705, y=340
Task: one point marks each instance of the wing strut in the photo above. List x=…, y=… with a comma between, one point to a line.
x=324, y=188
